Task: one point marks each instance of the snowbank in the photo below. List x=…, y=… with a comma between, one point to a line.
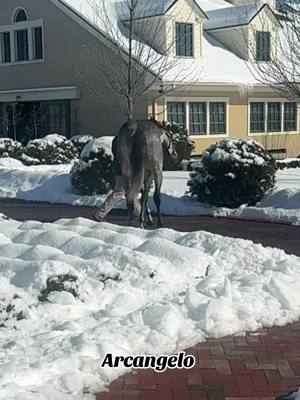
x=52, y=184
x=8, y=162
x=138, y=292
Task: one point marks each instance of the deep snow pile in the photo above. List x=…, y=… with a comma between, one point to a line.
x=133, y=292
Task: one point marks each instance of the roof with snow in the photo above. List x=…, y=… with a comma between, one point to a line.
x=232, y=16
x=218, y=64
x=148, y=8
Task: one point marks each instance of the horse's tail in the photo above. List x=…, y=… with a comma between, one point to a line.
x=132, y=156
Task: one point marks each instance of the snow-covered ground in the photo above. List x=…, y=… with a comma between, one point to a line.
x=51, y=183
x=136, y=292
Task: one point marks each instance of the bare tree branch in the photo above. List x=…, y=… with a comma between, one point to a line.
x=142, y=55
x=282, y=71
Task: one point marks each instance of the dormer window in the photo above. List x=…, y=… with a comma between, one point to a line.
x=263, y=46
x=22, y=41
x=184, y=40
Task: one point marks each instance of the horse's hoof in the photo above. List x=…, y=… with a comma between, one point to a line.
x=159, y=224
x=150, y=222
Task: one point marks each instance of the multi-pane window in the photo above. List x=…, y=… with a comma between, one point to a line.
x=257, y=117
x=278, y=117
x=274, y=117
x=217, y=116
x=290, y=117
x=5, y=46
x=263, y=46
x=184, y=40
x=22, y=40
x=176, y=113
x=30, y=120
x=198, y=118
x=38, y=43
x=22, y=45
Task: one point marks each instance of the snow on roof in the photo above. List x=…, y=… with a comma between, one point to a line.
x=148, y=8
x=218, y=65
x=207, y=5
x=232, y=16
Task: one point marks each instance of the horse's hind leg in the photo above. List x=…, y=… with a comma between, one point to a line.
x=149, y=218
x=157, y=197
x=130, y=208
x=144, y=203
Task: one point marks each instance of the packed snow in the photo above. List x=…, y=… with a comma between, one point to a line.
x=129, y=291
x=52, y=184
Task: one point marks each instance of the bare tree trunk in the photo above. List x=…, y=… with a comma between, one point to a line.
x=130, y=62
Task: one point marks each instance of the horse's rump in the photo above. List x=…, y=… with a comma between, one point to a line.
x=131, y=154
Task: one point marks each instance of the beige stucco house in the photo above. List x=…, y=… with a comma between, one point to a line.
x=51, y=83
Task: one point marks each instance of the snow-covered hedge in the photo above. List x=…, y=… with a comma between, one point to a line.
x=295, y=163
x=232, y=173
x=93, y=173
x=52, y=149
x=182, y=143
x=10, y=148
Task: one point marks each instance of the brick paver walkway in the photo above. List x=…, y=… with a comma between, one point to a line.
x=256, y=366
x=283, y=236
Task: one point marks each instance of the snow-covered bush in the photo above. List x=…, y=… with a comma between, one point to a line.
x=81, y=140
x=93, y=173
x=52, y=149
x=182, y=143
x=232, y=173
x=10, y=148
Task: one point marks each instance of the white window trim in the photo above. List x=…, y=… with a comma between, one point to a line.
x=272, y=100
x=12, y=29
x=206, y=100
